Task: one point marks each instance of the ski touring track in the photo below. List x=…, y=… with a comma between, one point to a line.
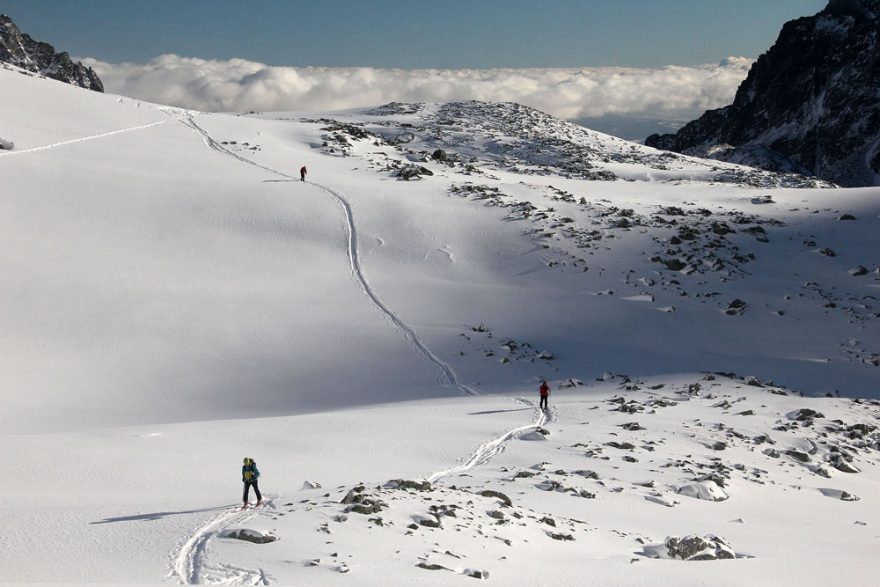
x=80, y=140
x=489, y=449
x=189, y=559
x=447, y=374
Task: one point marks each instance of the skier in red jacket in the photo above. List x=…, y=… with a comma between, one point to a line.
x=302, y=173
x=545, y=394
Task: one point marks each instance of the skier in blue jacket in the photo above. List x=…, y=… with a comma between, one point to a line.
x=249, y=476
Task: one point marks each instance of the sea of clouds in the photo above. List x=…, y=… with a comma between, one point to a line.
x=238, y=85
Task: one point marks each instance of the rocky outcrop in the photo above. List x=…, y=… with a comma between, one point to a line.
x=809, y=104
x=21, y=50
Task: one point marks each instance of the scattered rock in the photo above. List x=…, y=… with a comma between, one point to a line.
x=736, y=308
x=408, y=484
x=496, y=494
x=431, y=567
x=631, y=426
x=695, y=548
x=840, y=463
x=838, y=494
x=429, y=521
x=248, y=535
x=798, y=455
x=803, y=414
x=560, y=536
x=620, y=445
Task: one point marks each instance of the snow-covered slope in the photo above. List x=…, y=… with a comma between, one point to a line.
x=174, y=298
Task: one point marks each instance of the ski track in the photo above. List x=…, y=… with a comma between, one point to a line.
x=80, y=140
x=487, y=450
x=448, y=375
x=189, y=559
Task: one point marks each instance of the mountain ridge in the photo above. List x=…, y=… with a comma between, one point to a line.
x=19, y=49
x=808, y=104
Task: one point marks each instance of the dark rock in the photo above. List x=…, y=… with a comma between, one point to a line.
x=620, y=445
x=21, y=50
x=439, y=155
x=429, y=522
x=432, y=567
x=631, y=426
x=695, y=548
x=353, y=494
x=248, y=536
x=560, y=536
x=808, y=105
x=408, y=172
x=496, y=494
x=804, y=414
x=860, y=430
x=798, y=455
x=409, y=484
x=736, y=307
x=840, y=463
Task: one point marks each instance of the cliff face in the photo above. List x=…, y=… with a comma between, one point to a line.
x=22, y=51
x=810, y=104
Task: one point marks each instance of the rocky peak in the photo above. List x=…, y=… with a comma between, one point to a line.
x=862, y=9
x=21, y=50
x=808, y=105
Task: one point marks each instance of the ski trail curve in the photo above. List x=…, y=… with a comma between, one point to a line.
x=408, y=333
x=448, y=375
x=189, y=558
x=80, y=140
x=489, y=449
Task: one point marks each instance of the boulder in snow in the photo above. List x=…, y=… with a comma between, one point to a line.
x=692, y=548
x=707, y=490
x=248, y=535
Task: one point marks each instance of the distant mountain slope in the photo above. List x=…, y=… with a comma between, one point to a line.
x=808, y=105
x=21, y=50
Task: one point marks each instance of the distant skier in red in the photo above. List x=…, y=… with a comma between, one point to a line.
x=302, y=173
x=545, y=394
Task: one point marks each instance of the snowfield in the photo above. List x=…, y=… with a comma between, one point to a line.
x=174, y=299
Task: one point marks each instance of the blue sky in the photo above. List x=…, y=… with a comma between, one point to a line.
x=413, y=33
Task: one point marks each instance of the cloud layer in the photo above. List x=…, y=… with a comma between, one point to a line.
x=238, y=85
